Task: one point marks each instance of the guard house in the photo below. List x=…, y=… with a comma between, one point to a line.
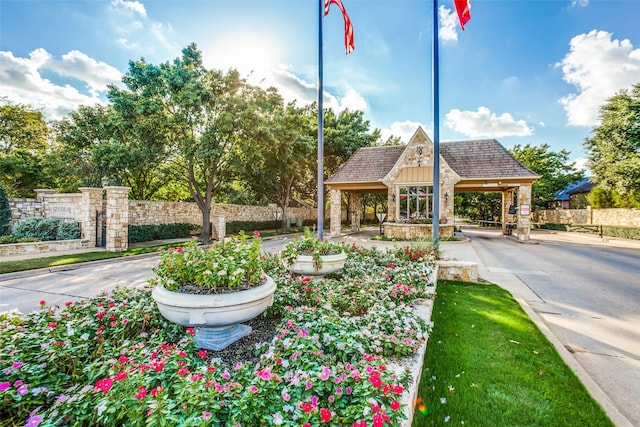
x=405, y=174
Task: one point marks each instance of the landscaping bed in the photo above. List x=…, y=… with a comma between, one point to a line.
x=329, y=353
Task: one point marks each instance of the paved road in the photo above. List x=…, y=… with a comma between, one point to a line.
x=588, y=295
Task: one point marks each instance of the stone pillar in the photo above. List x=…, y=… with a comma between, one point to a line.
x=507, y=200
x=219, y=228
x=336, y=212
x=117, y=218
x=524, y=213
x=391, y=203
x=91, y=204
x=354, y=202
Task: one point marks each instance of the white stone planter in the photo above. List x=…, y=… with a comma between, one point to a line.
x=216, y=318
x=330, y=264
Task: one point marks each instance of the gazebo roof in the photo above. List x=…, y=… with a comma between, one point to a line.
x=471, y=160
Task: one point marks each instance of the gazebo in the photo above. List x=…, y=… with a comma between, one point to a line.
x=405, y=174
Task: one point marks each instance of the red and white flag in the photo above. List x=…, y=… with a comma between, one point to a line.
x=463, y=7
x=348, y=28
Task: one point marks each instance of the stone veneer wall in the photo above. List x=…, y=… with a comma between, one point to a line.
x=41, y=247
x=149, y=212
x=615, y=217
x=414, y=231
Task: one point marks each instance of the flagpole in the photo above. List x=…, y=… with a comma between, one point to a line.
x=436, y=127
x=320, y=126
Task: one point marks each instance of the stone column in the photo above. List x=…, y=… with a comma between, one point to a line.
x=507, y=200
x=524, y=216
x=117, y=218
x=354, y=207
x=336, y=212
x=391, y=203
x=91, y=204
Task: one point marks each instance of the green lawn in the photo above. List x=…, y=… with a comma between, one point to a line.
x=487, y=364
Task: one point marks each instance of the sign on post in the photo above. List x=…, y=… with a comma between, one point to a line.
x=525, y=210
x=381, y=216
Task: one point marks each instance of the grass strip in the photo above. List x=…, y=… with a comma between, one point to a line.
x=487, y=364
x=53, y=261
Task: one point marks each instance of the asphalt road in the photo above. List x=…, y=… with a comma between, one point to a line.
x=588, y=295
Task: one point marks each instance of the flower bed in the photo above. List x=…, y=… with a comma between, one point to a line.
x=115, y=360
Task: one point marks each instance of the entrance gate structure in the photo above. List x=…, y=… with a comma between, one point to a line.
x=405, y=174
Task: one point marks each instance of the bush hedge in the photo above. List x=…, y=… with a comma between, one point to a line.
x=145, y=233
x=5, y=212
x=46, y=229
x=621, y=232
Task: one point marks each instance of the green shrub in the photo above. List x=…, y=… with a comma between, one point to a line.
x=68, y=230
x=248, y=227
x=621, y=232
x=147, y=232
x=5, y=212
x=553, y=226
x=9, y=239
x=46, y=229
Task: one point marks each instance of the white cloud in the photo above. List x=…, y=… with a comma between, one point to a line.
x=579, y=3
x=22, y=80
x=448, y=30
x=404, y=130
x=598, y=67
x=135, y=6
x=581, y=164
x=484, y=123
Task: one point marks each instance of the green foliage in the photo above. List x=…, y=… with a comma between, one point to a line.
x=147, y=232
x=310, y=245
x=482, y=206
x=46, y=229
x=552, y=226
x=233, y=227
x=556, y=173
x=24, y=144
x=614, y=149
x=601, y=198
x=5, y=212
x=228, y=264
x=621, y=232
x=8, y=239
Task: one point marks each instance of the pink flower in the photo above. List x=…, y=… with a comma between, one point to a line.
x=142, y=392
x=183, y=371
x=202, y=353
x=256, y=233
x=264, y=374
x=52, y=325
x=156, y=391
x=120, y=376
x=5, y=385
x=104, y=384
x=17, y=365
x=253, y=389
x=326, y=373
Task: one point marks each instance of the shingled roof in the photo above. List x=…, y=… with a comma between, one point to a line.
x=484, y=158
x=369, y=164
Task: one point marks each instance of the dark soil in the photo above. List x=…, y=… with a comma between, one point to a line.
x=244, y=350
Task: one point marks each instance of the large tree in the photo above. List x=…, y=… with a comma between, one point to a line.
x=24, y=147
x=554, y=168
x=205, y=116
x=284, y=154
x=614, y=149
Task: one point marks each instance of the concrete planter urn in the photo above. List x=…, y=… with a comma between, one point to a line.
x=216, y=318
x=305, y=264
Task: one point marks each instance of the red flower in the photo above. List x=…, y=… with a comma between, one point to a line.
x=142, y=392
x=325, y=414
x=68, y=303
x=104, y=384
x=120, y=376
x=360, y=424
x=156, y=391
x=52, y=325
x=375, y=380
x=191, y=331
x=42, y=302
x=256, y=233
x=306, y=407
x=202, y=353
x=395, y=405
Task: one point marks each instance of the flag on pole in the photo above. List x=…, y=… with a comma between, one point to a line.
x=463, y=7
x=348, y=28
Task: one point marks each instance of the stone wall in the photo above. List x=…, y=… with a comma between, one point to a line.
x=41, y=247
x=149, y=212
x=615, y=217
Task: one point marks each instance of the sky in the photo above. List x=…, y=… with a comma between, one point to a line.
x=522, y=72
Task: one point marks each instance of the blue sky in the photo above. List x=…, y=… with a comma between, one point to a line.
x=526, y=71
